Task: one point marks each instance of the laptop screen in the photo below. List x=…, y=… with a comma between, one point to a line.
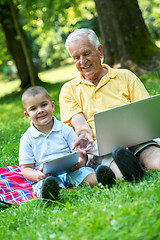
x=128, y=125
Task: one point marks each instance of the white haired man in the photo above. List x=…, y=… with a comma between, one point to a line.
x=97, y=88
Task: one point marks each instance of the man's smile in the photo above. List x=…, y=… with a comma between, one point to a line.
x=87, y=67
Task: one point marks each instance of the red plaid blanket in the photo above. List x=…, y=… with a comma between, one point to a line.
x=14, y=188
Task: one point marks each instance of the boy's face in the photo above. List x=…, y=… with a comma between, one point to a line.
x=39, y=109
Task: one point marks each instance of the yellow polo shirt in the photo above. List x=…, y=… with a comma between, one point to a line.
x=118, y=87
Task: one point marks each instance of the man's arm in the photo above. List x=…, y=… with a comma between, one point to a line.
x=84, y=141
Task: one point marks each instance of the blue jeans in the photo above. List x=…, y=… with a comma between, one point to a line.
x=66, y=180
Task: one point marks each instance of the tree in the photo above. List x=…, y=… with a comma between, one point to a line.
x=50, y=22
x=17, y=44
x=125, y=37
x=151, y=12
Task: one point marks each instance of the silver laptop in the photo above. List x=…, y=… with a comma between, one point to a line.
x=128, y=125
x=61, y=165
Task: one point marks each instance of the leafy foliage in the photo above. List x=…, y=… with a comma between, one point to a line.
x=48, y=23
x=4, y=56
x=151, y=13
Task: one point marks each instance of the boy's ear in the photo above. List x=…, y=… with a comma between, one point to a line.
x=53, y=105
x=26, y=114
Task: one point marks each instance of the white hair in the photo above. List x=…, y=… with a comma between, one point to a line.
x=79, y=33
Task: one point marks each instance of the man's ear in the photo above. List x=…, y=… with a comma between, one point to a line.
x=100, y=49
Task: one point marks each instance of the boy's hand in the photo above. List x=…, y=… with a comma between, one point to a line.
x=41, y=175
x=81, y=162
x=29, y=172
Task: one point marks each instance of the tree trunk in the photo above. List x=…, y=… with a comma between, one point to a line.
x=15, y=38
x=126, y=40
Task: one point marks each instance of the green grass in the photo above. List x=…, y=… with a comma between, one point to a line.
x=152, y=82
x=6, y=87
x=126, y=211
x=60, y=74
x=158, y=43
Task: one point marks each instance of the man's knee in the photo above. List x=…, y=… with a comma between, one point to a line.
x=150, y=157
x=115, y=169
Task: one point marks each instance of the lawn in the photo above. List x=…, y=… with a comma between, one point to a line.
x=126, y=211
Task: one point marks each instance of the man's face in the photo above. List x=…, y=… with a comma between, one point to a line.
x=87, y=58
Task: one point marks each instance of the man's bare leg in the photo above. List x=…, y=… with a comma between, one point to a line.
x=150, y=157
x=115, y=169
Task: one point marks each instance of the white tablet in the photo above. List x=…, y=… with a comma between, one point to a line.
x=61, y=165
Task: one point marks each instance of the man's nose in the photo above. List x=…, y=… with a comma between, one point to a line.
x=82, y=59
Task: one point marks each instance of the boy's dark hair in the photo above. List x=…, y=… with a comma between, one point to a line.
x=33, y=91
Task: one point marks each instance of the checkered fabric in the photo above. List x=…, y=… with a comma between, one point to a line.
x=14, y=188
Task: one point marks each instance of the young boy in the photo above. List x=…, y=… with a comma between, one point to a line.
x=46, y=139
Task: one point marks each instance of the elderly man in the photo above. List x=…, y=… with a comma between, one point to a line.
x=97, y=88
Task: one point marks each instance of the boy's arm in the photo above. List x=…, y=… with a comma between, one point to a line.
x=81, y=162
x=26, y=152
x=29, y=172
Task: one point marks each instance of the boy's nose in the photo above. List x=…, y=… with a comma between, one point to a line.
x=40, y=110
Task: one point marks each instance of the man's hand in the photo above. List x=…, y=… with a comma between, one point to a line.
x=83, y=143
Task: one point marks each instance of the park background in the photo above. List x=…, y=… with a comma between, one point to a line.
x=32, y=37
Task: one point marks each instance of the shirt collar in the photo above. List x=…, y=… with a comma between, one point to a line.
x=111, y=74
x=35, y=133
